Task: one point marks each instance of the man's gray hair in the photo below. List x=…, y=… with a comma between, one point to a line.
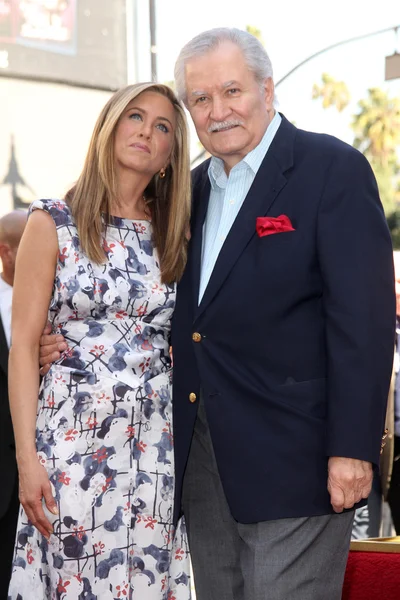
x=253, y=51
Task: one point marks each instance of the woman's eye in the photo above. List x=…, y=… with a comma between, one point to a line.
x=162, y=127
x=135, y=116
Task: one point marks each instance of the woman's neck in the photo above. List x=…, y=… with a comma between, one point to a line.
x=131, y=203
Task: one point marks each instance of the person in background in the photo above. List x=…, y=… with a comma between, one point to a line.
x=12, y=226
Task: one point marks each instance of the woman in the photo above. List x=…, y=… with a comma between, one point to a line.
x=96, y=477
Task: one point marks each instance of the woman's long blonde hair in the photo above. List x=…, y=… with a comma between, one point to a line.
x=168, y=198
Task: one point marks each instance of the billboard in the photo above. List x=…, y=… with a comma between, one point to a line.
x=46, y=24
x=6, y=20
x=77, y=41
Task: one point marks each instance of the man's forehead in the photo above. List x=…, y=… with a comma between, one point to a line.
x=225, y=56
x=219, y=74
x=198, y=90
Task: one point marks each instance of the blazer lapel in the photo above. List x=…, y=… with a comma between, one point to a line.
x=3, y=349
x=266, y=186
x=201, y=204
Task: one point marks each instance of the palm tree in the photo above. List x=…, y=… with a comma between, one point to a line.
x=377, y=127
x=377, y=135
x=333, y=93
x=256, y=32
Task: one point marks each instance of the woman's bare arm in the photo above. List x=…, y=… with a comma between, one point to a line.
x=33, y=284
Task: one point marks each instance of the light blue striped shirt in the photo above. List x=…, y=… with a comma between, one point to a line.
x=226, y=198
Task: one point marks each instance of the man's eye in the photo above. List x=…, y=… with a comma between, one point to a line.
x=233, y=91
x=201, y=99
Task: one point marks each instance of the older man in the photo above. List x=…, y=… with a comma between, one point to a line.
x=283, y=337
x=12, y=226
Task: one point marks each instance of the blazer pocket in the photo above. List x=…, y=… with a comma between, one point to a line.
x=270, y=233
x=307, y=396
x=292, y=382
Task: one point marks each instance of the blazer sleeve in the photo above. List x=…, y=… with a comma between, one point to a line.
x=356, y=261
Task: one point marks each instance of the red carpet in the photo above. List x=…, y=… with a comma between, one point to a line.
x=372, y=576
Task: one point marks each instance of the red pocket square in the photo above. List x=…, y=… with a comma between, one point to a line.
x=270, y=225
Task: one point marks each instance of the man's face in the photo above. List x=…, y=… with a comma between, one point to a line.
x=229, y=108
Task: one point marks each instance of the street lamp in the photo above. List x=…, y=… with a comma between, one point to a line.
x=153, y=43
x=342, y=43
x=392, y=66
x=392, y=63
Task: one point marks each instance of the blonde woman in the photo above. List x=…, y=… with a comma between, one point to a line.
x=95, y=455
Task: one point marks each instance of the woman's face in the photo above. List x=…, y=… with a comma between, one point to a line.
x=145, y=134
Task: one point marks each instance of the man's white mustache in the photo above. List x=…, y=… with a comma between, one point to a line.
x=223, y=125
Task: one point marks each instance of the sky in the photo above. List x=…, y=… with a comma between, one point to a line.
x=292, y=30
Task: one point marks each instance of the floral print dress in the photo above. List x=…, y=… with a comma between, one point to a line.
x=104, y=429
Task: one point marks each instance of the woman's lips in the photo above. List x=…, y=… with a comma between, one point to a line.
x=141, y=147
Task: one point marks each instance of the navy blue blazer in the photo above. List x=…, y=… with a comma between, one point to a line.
x=297, y=330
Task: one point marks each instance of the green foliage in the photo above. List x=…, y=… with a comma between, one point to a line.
x=376, y=128
x=393, y=221
x=387, y=177
x=333, y=93
x=256, y=32
x=377, y=135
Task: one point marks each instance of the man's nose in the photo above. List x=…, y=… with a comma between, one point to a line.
x=220, y=110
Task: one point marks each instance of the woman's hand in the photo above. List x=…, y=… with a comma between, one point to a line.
x=34, y=485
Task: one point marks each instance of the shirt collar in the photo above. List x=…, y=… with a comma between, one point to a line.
x=252, y=160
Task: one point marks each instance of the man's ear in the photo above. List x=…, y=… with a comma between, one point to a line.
x=269, y=90
x=4, y=251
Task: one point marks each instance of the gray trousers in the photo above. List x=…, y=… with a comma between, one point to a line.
x=285, y=559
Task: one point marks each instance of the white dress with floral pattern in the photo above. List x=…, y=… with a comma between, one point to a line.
x=104, y=429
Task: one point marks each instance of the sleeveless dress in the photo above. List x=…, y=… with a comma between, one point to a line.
x=104, y=429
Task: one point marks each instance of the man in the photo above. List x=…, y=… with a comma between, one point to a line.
x=282, y=338
x=11, y=228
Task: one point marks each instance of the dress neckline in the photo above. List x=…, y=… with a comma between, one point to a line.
x=124, y=219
